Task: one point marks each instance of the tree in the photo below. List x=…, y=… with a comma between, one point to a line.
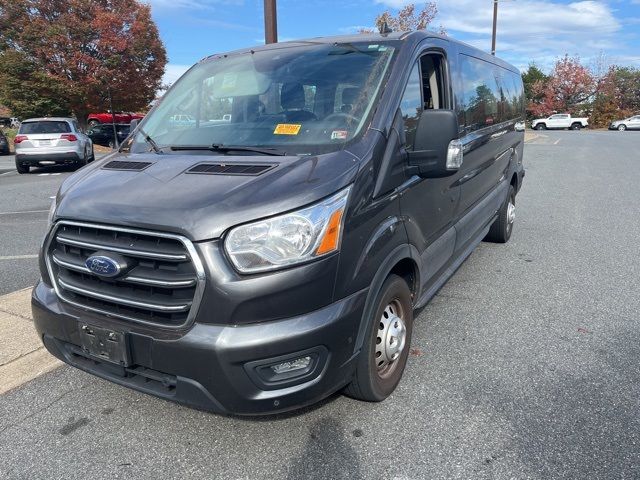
x=530, y=78
x=70, y=53
x=569, y=88
x=20, y=79
x=407, y=19
x=618, y=95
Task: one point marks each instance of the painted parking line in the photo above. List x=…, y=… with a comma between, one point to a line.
x=24, y=211
x=18, y=257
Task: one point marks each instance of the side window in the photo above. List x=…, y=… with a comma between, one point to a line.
x=411, y=105
x=490, y=93
x=425, y=90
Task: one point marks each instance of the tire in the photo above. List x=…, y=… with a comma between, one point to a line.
x=82, y=162
x=22, y=168
x=92, y=156
x=502, y=227
x=93, y=123
x=576, y=126
x=622, y=128
x=380, y=369
x=541, y=126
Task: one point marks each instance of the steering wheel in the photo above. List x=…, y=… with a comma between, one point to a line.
x=346, y=117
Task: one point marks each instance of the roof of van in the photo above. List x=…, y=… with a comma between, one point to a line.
x=413, y=37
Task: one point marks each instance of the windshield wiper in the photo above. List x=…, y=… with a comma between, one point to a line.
x=150, y=141
x=230, y=148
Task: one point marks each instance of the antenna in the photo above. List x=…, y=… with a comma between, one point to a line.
x=384, y=29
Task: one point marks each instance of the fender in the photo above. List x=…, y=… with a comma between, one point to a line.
x=401, y=252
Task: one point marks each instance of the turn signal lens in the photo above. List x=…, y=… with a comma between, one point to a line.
x=331, y=237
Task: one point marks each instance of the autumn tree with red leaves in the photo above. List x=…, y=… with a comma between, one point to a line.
x=568, y=89
x=407, y=18
x=58, y=55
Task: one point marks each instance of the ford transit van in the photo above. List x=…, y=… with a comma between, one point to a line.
x=272, y=250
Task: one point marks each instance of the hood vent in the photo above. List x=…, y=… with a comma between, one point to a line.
x=231, y=169
x=120, y=165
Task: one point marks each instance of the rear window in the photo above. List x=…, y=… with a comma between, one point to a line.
x=48, y=126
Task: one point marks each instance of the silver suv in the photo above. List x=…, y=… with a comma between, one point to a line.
x=51, y=141
x=631, y=123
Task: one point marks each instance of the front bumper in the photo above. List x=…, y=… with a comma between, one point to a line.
x=212, y=366
x=35, y=159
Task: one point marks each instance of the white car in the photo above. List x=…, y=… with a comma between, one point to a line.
x=51, y=141
x=560, y=121
x=631, y=123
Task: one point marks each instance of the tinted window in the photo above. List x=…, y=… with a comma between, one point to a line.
x=490, y=94
x=411, y=105
x=47, y=126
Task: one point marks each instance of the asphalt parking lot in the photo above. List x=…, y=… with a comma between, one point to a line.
x=525, y=365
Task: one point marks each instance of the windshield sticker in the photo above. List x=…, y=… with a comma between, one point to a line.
x=287, y=129
x=339, y=135
x=229, y=81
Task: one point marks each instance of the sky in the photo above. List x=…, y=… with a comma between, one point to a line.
x=537, y=31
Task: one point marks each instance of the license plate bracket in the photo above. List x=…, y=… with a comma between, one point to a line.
x=105, y=344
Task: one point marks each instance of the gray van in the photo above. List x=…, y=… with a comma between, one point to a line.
x=259, y=263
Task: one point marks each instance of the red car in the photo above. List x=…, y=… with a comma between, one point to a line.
x=121, y=117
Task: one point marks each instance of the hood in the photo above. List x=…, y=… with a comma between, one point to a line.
x=199, y=206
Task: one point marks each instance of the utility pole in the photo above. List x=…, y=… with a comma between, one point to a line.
x=270, y=22
x=495, y=25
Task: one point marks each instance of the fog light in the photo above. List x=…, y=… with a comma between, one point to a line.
x=292, y=365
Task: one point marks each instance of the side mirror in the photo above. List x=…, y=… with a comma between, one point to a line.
x=437, y=152
x=133, y=124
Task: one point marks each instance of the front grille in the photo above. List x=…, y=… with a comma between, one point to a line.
x=163, y=283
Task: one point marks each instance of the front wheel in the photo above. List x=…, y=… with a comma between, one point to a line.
x=500, y=231
x=576, y=126
x=622, y=128
x=384, y=354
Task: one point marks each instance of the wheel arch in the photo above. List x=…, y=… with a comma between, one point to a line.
x=402, y=261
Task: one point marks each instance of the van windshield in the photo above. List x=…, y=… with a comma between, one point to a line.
x=309, y=98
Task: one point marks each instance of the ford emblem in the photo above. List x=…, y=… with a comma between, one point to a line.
x=103, y=266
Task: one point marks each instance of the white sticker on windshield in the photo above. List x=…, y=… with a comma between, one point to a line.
x=229, y=80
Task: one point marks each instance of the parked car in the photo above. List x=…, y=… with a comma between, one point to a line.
x=15, y=122
x=560, y=121
x=4, y=144
x=260, y=265
x=5, y=121
x=121, y=117
x=51, y=141
x=631, y=123
x=103, y=134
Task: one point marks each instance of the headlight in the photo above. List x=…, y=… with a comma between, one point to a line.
x=288, y=239
x=52, y=211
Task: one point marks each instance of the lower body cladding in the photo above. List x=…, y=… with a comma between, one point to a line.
x=234, y=369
